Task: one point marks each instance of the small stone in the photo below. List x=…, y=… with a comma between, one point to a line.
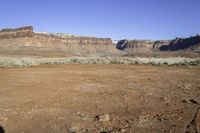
x=163, y=98
x=73, y=129
x=84, y=117
x=143, y=119
x=103, y=118
x=187, y=87
x=123, y=130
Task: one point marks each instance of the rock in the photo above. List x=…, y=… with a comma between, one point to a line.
x=123, y=130
x=190, y=100
x=143, y=119
x=188, y=87
x=160, y=118
x=103, y=118
x=122, y=44
x=84, y=117
x=73, y=129
x=163, y=98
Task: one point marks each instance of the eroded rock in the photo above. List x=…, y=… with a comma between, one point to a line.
x=103, y=118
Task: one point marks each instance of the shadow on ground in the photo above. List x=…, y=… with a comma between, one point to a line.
x=1, y=129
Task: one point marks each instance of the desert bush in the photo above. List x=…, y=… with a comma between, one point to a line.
x=19, y=62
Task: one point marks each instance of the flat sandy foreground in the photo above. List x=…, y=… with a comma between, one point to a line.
x=100, y=98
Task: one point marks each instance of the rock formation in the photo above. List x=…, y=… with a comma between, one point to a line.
x=140, y=46
x=16, y=33
x=28, y=32
x=191, y=44
x=183, y=44
x=24, y=39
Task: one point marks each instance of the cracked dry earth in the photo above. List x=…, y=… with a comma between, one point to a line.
x=71, y=98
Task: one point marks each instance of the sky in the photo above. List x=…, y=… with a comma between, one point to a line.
x=117, y=19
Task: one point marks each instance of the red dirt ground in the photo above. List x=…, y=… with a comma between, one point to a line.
x=67, y=98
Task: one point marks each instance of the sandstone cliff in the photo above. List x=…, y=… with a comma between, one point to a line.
x=25, y=40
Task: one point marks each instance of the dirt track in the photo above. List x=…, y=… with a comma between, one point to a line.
x=64, y=98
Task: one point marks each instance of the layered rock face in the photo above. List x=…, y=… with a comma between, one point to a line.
x=141, y=46
x=73, y=39
x=28, y=32
x=16, y=33
x=191, y=44
x=26, y=40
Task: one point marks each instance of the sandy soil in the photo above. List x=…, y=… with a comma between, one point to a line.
x=73, y=98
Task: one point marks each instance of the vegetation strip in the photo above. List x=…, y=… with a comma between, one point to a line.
x=20, y=62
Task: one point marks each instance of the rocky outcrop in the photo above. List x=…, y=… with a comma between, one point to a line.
x=191, y=44
x=183, y=44
x=140, y=46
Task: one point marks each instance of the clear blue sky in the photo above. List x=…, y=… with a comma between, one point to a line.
x=118, y=19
